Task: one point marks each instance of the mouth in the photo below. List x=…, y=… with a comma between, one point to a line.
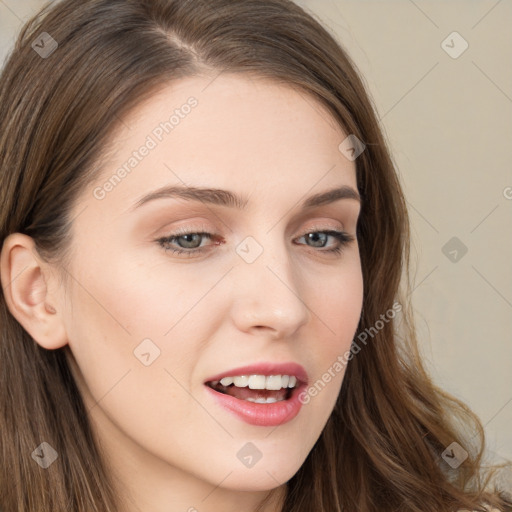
x=263, y=394
x=260, y=389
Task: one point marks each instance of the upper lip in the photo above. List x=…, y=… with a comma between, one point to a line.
x=265, y=368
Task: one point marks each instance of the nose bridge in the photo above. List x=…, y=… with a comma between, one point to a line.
x=268, y=291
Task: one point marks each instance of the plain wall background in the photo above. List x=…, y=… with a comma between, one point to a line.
x=449, y=125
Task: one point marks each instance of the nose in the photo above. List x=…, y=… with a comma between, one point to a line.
x=267, y=294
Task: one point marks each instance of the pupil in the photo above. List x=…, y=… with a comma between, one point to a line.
x=188, y=241
x=313, y=236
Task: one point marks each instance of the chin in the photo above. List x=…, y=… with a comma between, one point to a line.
x=263, y=478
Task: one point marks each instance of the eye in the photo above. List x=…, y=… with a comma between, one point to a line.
x=319, y=239
x=189, y=242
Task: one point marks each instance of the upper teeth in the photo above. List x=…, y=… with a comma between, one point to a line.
x=272, y=382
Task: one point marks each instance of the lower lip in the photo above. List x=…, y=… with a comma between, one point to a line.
x=263, y=415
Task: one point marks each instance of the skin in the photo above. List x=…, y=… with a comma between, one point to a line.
x=166, y=440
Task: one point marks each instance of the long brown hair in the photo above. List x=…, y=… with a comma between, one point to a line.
x=381, y=448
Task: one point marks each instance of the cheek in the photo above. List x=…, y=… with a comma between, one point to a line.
x=114, y=323
x=338, y=309
x=337, y=304
x=110, y=311
x=99, y=340
x=127, y=313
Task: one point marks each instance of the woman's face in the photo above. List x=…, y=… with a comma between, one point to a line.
x=148, y=327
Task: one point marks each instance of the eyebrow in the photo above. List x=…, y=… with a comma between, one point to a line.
x=221, y=197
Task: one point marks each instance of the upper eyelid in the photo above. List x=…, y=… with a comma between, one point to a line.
x=212, y=232
x=204, y=227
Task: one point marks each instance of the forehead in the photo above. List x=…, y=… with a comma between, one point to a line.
x=227, y=131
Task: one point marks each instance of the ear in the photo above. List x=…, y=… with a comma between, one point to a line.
x=24, y=276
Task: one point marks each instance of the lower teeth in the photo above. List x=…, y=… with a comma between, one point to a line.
x=269, y=400
x=259, y=400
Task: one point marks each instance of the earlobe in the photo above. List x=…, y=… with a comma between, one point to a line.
x=24, y=277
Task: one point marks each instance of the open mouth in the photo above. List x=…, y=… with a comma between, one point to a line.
x=261, y=396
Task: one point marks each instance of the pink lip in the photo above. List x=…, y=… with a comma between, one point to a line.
x=264, y=415
x=265, y=368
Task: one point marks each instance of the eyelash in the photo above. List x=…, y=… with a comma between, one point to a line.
x=343, y=238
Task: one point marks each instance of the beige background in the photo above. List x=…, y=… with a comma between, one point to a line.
x=449, y=123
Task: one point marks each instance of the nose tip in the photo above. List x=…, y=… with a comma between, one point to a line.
x=267, y=300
